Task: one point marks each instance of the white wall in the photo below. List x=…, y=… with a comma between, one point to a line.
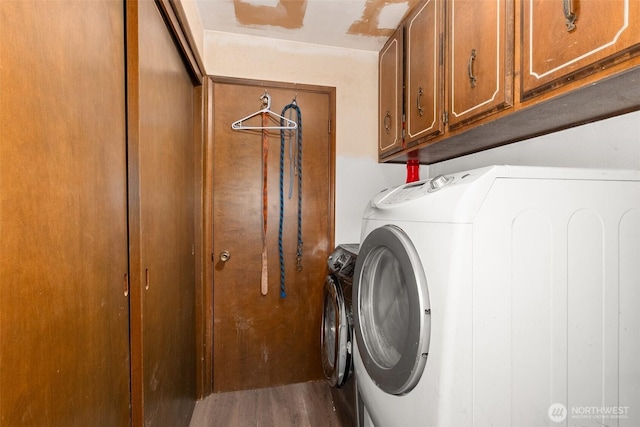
x=612, y=143
x=354, y=74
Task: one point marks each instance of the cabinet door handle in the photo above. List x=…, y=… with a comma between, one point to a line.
x=472, y=78
x=387, y=122
x=419, y=103
x=569, y=15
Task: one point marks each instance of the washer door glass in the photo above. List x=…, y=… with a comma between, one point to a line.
x=392, y=314
x=336, y=334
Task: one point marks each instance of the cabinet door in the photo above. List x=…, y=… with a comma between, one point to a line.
x=481, y=59
x=64, y=310
x=554, y=52
x=424, y=92
x=390, y=96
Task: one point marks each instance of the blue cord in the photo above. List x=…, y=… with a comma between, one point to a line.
x=295, y=107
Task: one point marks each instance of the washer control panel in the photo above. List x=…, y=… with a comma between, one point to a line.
x=411, y=191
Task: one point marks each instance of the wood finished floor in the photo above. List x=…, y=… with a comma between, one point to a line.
x=306, y=404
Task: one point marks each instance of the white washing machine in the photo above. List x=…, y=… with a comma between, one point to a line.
x=502, y=296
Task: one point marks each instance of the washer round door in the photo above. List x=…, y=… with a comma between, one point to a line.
x=336, y=334
x=391, y=310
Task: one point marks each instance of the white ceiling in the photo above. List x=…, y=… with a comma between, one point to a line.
x=355, y=24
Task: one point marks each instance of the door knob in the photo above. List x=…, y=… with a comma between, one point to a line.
x=224, y=256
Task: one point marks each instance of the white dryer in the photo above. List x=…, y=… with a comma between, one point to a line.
x=502, y=296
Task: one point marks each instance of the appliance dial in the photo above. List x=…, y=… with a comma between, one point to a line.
x=439, y=182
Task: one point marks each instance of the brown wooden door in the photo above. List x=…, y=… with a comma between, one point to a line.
x=64, y=312
x=481, y=58
x=390, y=95
x=162, y=188
x=606, y=32
x=424, y=98
x=265, y=340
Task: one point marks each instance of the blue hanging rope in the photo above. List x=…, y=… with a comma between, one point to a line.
x=299, y=163
x=293, y=106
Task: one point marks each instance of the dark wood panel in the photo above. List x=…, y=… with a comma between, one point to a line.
x=64, y=340
x=162, y=181
x=304, y=404
x=265, y=340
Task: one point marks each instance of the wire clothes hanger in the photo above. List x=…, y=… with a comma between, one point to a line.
x=283, y=122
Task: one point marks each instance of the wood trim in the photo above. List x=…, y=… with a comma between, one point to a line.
x=271, y=84
x=186, y=29
x=133, y=177
x=200, y=229
x=174, y=21
x=332, y=172
x=205, y=339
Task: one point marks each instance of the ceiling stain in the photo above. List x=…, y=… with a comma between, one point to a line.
x=369, y=23
x=287, y=14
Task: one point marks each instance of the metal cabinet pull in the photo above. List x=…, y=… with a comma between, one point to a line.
x=387, y=122
x=224, y=256
x=472, y=78
x=419, y=103
x=569, y=16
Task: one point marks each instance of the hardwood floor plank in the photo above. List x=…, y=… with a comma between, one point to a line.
x=304, y=405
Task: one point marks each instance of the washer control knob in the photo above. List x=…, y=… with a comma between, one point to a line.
x=438, y=182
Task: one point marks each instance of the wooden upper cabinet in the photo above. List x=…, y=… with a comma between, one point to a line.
x=480, y=47
x=556, y=51
x=390, y=95
x=424, y=96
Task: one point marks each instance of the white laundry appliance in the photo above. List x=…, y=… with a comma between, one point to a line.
x=501, y=296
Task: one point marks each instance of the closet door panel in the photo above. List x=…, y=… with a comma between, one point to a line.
x=64, y=313
x=167, y=224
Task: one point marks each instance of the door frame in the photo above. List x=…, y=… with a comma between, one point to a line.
x=204, y=310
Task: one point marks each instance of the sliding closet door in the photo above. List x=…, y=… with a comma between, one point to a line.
x=64, y=309
x=161, y=105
